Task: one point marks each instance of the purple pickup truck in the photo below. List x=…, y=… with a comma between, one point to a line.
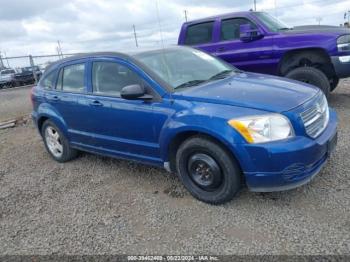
x=258, y=42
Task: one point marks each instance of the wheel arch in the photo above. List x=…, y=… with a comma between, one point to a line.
x=47, y=112
x=311, y=56
x=181, y=136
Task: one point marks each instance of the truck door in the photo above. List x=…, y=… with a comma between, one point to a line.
x=254, y=56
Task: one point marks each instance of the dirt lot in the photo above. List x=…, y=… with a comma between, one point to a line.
x=98, y=205
x=14, y=102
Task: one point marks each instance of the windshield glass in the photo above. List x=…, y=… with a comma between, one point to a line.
x=185, y=67
x=272, y=22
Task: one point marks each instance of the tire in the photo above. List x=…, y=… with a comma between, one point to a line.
x=223, y=180
x=311, y=76
x=334, y=83
x=61, y=151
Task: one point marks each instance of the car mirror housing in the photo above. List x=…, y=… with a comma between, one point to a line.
x=133, y=92
x=247, y=33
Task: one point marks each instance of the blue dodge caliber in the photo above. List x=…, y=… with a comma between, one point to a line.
x=189, y=112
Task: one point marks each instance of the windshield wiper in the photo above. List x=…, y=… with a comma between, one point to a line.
x=221, y=75
x=285, y=28
x=190, y=83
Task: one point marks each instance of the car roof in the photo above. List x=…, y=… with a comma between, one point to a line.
x=221, y=16
x=86, y=55
x=128, y=57
x=131, y=56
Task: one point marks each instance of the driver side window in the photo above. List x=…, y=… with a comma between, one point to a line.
x=230, y=28
x=109, y=78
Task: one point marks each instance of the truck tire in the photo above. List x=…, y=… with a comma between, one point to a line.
x=207, y=170
x=311, y=75
x=334, y=83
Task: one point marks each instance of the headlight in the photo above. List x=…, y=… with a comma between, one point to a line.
x=343, y=43
x=263, y=128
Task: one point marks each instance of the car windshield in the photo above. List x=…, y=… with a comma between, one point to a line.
x=272, y=22
x=185, y=67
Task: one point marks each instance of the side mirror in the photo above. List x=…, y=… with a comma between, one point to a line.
x=247, y=33
x=133, y=92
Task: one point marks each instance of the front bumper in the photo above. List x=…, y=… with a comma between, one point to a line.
x=291, y=163
x=341, y=65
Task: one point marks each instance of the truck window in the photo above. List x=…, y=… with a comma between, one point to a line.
x=199, y=33
x=230, y=28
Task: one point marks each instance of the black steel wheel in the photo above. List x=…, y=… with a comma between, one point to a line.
x=208, y=170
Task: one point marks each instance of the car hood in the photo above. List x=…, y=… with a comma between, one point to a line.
x=262, y=92
x=317, y=29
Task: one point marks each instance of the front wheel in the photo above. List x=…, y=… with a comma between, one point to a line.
x=207, y=170
x=56, y=143
x=311, y=75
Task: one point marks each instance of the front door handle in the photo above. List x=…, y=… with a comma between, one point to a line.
x=96, y=103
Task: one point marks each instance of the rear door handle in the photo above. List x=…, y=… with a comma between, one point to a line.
x=96, y=103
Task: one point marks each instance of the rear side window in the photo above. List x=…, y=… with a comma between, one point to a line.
x=108, y=78
x=71, y=78
x=49, y=81
x=199, y=34
x=230, y=28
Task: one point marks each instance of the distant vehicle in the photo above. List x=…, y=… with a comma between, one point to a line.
x=259, y=42
x=6, y=78
x=26, y=76
x=189, y=112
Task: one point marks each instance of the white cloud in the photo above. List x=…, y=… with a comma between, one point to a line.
x=34, y=26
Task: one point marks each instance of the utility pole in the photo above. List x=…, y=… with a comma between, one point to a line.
x=255, y=5
x=31, y=62
x=135, y=36
x=319, y=19
x=1, y=62
x=8, y=64
x=185, y=11
x=59, y=49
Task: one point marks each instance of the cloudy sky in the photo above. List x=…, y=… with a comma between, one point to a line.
x=34, y=26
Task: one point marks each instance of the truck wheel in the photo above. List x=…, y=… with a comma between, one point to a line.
x=56, y=143
x=207, y=170
x=311, y=75
x=334, y=83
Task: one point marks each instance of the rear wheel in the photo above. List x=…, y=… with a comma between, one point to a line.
x=207, y=170
x=311, y=75
x=56, y=143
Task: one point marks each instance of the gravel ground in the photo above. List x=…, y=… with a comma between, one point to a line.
x=98, y=205
x=14, y=102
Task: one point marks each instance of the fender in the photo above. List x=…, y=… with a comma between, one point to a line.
x=48, y=111
x=215, y=127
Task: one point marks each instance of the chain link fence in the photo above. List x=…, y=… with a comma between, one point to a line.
x=24, y=70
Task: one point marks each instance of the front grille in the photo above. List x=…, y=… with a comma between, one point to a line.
x=316, y=117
